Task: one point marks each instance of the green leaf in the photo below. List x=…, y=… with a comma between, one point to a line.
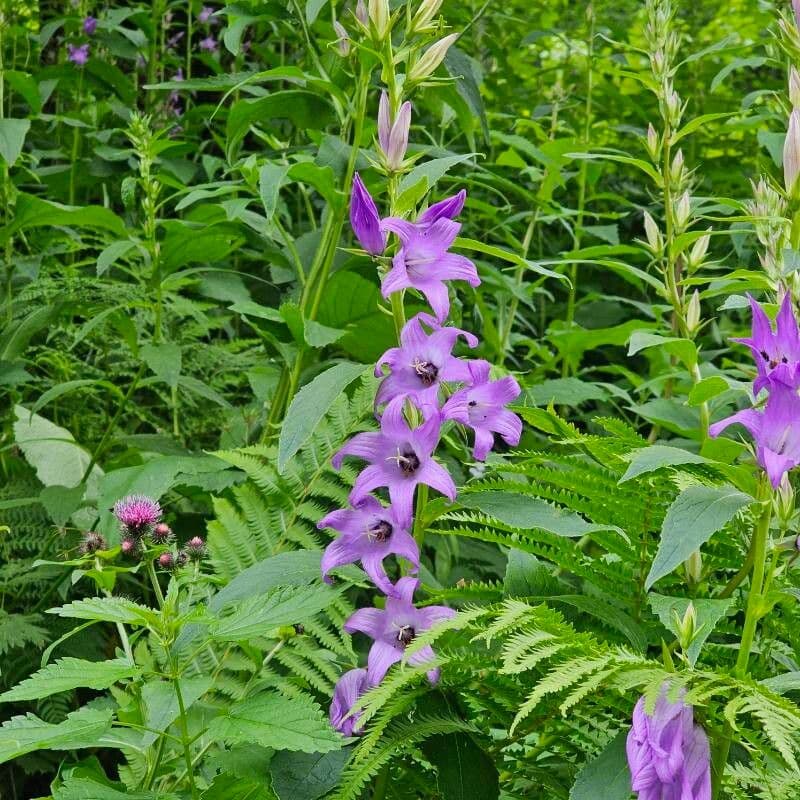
x=706, y=389
x=161, y=702
x=310, y=405
x=12, y=138
x=684, y=349
x=281, y=722
x=709, y=613
x=463, y=769
x=313, y=7
x=288, y=605
x=531, y=513
x=270, y=179
x=107, y=609
x=433, y=170
x=306, y=776
x=112, y=254
x=657, y=456
x=697, y=513
x=80, y=788
x=25, y=734
x=70, y=673
x=607, y=776
x=61, y=502
x=164, y=360
x=527, y=576
x=317, y=335
x=62, y=388
x=564, y=391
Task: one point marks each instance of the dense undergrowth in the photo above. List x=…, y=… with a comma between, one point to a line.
x=198, y=280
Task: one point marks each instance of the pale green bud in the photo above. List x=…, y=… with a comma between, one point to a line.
x=431, y=58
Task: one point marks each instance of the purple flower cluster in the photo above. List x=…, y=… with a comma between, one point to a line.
x=206, y=17
x=668, y=754
x=774, y=428
x=424, y=385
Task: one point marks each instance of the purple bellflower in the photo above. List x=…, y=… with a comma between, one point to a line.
x=137, y=514
x=668, y=754
x=209, y=44
x=449, y=208
x=481, y=406
x=365, y=220
x=796, y=9
x=424, y=263
x=206, y=15
x=393, y=134
x=89, y=25
x=776, y=352
x=422, y=362
x=775, y=430
x=394, y=628
x=370, y=533
x=400, y=458
x=78, y=55
x=348, y=689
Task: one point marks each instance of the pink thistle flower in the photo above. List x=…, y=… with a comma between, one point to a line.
x=137, y=514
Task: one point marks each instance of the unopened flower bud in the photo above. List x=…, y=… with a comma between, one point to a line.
x=166, y=560
x=674, y=108
x=379, y=17
x=694, y=567
x=129, y=547
x=783, y=501
x=699, y=249
x=425, y=13
x=162, y=533
x=653, y=234
x=683, y=210
x=92, y=542
x=676, y=168
x=343, y=42
x=686, y=627
x=794, y=87
x=796, y=9
x=653, y=145
x=361, y=13
x=393, y=134
x=195, y=548
x=182, y=559
x=693, y=312
x=791, y=153
x=431, y=58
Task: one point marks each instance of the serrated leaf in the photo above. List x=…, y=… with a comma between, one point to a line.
x=272, y=720
x=306, y=776
x=70, y=673
x=107, y=609
x=607, y=776
x=695, y=516
x=80, y=788
x=164, y=360
x=649, y=459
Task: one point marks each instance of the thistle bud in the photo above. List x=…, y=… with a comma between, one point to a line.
x=676, y=168
x=195, y=548
x=683, y=210
x=794, y=87
x=693, y=312
x=129, y=547
x=653, y=233
x=162, y=533
x=425, y=13
x=791, y=153
x=653, y=145
x=361, y=13
x=343, y=42
x=699, y=249
x=92, y=542
x=379, y=17
x=431, y=58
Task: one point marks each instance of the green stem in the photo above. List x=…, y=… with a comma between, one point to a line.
x=187, y=753
x=151, y=571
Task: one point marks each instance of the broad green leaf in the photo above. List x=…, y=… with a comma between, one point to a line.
x=270, y=179
x=313, y=7
x=81, y=788
x=107, y=609
x=507, y=255
x=26, y=734
x=70, y=673
x=464, y=771
x=706, y=389
x=433, y=170
x=783, y=683
x=112, y=254
x=564, y=391
x=61, y=502
x=12, y=138
x=161, y=702
x=709, y=613
x=317, y=335
x=284, y=606
x=531, y=513
x=60, y=389
x=695, y=516
x=527, y=576
x=310, y=405
x=278, y=721
x=230, y=787
x=306, y=776
x=684, y=349
x=607, y=776
x=164, y=360
x=649, y=459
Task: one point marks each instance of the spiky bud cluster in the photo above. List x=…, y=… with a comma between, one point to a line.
x=161, y=533
x=91, y=542
x=195, y=548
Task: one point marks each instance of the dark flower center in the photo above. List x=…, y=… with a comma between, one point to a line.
x=407, y=460
x=426, y=371
x=380, y=532
x=406, y=635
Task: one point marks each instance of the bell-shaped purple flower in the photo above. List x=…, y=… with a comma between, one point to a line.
x=776, y=352
x=424, y=263
x=78, y=54
x=206, y=15
x=400, y=458
x=422, y=362
x=450, y=208
x=348, y=689
x=209, y=44
x=369, y=533
x=394, y=628
x=365, y=220
x=89, y=25
x=393, y=134
x=668, y=754
x=775, y=429
x=482, y=407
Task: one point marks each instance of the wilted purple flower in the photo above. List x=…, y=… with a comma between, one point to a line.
x=422, y=362
x=393, y=134
x=348, y=689
x=424, y=263
x=89, y=25
x=137, y=513
x=206, y=15
x=481, y=406
x=209, y=44
x=400, y=458
x=370, y=533
x=365, y=220
x=92, y=541
x=668, y=754
x=78, y=55
x=776, y=430
x=776, y=353
x=394, y=628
